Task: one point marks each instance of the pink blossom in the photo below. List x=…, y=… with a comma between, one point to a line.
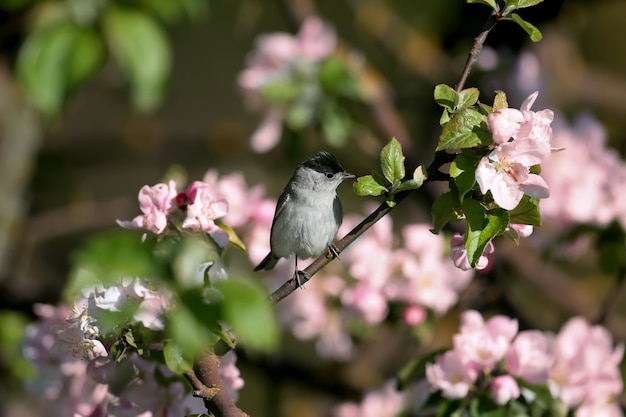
x=413, y=315
x=206, y=206
x=596, y=197
x=268, y=133
x=242, y=200
x=504, y=389
x=587, y=366
x=317, y=39
x=383, y=402
x=506, y=172
x=484, y=343
x=608, y=409
x=521, y=230
x=530, y=356
x=156, y=203
x=452, y=374
x=504, y=124
x=458, y=253
x=369, y=302
x=230, y=374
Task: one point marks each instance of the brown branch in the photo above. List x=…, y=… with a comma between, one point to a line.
x=208, y=385
x=479, y=41
x=290, y=286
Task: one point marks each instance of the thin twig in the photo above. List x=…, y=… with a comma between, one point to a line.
x=290, y=286
x=479, y=41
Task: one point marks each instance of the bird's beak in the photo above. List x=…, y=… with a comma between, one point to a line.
x=347, y=175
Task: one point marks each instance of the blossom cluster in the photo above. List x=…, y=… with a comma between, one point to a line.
x=77, y=374
x=588, y=183
x=521, y=140
x=579, y=364
x=289, y=64
x=201, y=205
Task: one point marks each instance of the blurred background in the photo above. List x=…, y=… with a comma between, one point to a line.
x=72, y=164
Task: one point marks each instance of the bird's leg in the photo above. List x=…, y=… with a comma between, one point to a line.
x=333, y=252
x=297, y=275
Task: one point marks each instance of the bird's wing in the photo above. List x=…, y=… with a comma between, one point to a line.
x=280, y=206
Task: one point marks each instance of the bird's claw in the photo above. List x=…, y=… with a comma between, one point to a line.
x=297, y=278
x=333, y=252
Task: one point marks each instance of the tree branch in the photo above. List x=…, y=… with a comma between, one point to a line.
x=479, y=41
x=290, y=286
x=208, y=385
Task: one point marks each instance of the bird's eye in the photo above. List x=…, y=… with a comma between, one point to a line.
x=330, y=176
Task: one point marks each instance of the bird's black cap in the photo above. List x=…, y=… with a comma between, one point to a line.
x=324, y=162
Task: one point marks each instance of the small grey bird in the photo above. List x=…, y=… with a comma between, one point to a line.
x=308, y=213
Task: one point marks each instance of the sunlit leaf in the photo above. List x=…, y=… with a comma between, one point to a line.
x=142, y=50
x=392, y=161
x=445, y=96
x=367, y=185
x=533, y=32
x=466, y=129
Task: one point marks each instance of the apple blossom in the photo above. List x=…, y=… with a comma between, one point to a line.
x=530, y=356
x=506, y=172
x=205, y=207
x=155, y=202
x=504, y=388
x=383, y=402
x=231, y=377
x=452, y=374
x=484, y=343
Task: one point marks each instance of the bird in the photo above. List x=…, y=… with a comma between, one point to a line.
x=308, y=213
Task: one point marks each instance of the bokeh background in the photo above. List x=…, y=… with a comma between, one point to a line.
x=66, y=178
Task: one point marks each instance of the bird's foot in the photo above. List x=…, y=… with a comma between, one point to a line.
x=304, y=275
x=333, y=252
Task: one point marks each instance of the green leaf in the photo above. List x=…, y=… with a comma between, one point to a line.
x=499, y=101
x=336, y=78
x=55, y=59
x=280, y=92
x=392, y=161
x=520, y=4
x=188, y=329
x=367, y=185
x=419, y=176
x=444, y=210
x=141, y=48
x=482, y=227
x=466, y=129
x=490, y=3
x=445, y=96
x=445, y=117
x=247, y=309
x=533, y=32
x=192, y=253
x=415, y=369
x=526, y=212
x=175, y=360
x=233, y=238
x=300, y=115
x=463, y=170
x=336, y=124
x=112, y=256
x=467, y=98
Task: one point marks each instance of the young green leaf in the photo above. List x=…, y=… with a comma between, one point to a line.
x=533, y=32
x=392, y=161
x=367, y=185
x=499, y=101
x=490, y=3
x=246, y=308
x=466, y=129
x=482, y=227
x=463, y=170
x=141, y=47
x=520, y=4
x=175, y=360
x=419, y=176
x=443, y=211
x=526, y=212
x=467, y=98
x=445, y=96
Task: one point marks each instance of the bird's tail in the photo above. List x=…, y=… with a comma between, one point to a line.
x=267, y=263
